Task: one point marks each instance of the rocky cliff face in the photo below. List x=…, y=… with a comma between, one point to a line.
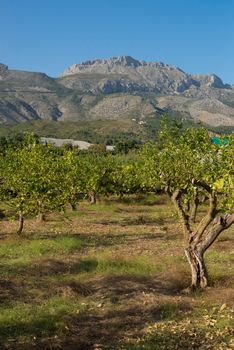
x=211, y=81
x=113, y=88
x=151, y=76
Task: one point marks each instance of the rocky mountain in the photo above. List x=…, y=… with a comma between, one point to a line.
x=149, y=76
x=118, y=87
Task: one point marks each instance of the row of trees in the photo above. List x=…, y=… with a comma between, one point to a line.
x=37, y=178
x=184, y=164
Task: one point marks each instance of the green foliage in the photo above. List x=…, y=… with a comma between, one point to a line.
x=184, y=158
x=73, y=177
x=109, y=132
x=125, y=146
x=32, y=178
x=86, y=173
x=97, y=169
x=18, y=140
x=125, y=174
x=38, y=178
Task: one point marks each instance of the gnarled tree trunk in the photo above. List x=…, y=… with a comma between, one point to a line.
x=197, y=248
x=199, y=277
x=200, y=239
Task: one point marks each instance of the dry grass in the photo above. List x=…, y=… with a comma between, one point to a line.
x=110, y=276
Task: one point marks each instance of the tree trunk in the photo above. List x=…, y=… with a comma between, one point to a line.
x=21, y=224
x=93, y=198
x=187, y=207
x=41, y=214
x=203, y=236
x=41, y=217
x=196, y=250
x=121, y=196
x=73, y=206
x=199, y=277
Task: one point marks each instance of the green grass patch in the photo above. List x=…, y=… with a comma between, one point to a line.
x=119, y=265
x=35, y=248
x=109, y=264
x=24, y=320
x=215, y=256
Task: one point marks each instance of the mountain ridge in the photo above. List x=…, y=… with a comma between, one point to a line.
x=127, y=61
x=117, y=87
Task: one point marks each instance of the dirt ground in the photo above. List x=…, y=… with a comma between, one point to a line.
x=111, y=276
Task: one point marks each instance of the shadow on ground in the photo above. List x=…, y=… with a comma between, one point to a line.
x=93, y=326
x=127, y=303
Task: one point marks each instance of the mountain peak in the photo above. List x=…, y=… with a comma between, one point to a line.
x=118, y=64
x=106, y=65
x=125, y=61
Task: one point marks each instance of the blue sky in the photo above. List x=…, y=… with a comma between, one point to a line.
x=49, y=35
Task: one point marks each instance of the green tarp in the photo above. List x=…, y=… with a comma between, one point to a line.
x=218, y=141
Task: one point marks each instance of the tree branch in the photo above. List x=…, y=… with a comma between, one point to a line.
x=212, y=211
x=221, y=223
x=177, y=200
